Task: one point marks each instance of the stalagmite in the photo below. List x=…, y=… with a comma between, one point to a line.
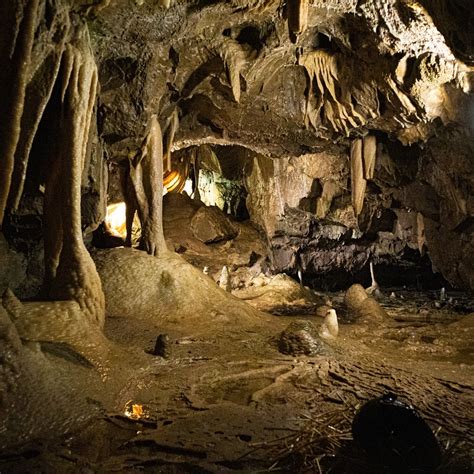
x=369, y=154
x=224, y=279
x=330, y=327
x=71, y=273
x=146, y=195
x=363, y=306
x=358, y=183
x=297, y=18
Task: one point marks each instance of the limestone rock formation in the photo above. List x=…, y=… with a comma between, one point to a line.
x=342, y=129
x=301, y=338
x=362, y=306
x=210, y=225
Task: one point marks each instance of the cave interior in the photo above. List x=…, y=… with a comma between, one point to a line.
x=237, y=236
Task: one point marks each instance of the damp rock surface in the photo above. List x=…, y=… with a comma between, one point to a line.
x=301, y=338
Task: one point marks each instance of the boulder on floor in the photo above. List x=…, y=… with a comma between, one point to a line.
x=301, y=338
x=209, y=225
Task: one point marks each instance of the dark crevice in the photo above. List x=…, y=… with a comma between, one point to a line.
x=250, y=35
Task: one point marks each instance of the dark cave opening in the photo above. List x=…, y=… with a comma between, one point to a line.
x=413, y=272
x=250, y=35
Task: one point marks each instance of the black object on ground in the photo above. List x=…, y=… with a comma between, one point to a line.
x=394, y=436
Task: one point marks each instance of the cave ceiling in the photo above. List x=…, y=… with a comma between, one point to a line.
x=281, y=78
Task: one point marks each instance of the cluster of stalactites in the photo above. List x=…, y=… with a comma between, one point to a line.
x=363, y=153
x=36, y=62
x=333, y=95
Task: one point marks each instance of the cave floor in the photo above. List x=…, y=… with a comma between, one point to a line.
x=228, y=401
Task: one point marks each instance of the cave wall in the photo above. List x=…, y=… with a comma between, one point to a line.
x=296, y=95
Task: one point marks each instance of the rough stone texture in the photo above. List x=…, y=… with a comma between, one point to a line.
x=301, y=338
x=38, y=396
x=292, y=90
x=362, y=306
x=210, y=225
x=13, y=267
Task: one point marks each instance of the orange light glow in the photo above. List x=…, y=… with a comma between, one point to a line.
x=134, y=410
x=173, y=181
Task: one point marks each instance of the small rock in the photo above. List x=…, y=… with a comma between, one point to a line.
x=163, y=346
x=301, y=338
x=224, y=279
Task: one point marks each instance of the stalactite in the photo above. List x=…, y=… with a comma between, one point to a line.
x=400, y=100
x=334, y=94
x=297, y=18
x=420, y=232
x=358, y=183
x=196, y=167
x=13, y=82
x=323, y=203
x=128, y=189
x=369, y=154
x=172, y=125
x=234, y=59
x=37, y=98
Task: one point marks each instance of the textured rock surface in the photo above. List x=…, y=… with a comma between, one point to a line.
x=283, y=95
x=301, y=338
x=362, y=306
x=12, y=265
x=210, y=225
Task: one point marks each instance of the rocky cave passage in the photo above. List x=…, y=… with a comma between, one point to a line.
x=265, y=161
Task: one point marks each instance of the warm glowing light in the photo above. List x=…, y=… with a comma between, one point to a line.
x=115, y=219
x=188, y=187
x=116, y=213
x=134, y=410
x=173, y=181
